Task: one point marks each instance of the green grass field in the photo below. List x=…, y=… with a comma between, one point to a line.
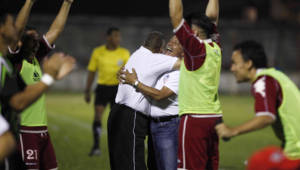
x=70, y=120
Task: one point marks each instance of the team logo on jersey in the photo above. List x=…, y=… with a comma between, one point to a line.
x=166, y=77
x=36, y=76
x=120, y=63
x=260, y=87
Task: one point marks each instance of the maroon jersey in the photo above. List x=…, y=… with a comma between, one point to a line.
x=268, y=98
x=194, y=48
x=44, y=49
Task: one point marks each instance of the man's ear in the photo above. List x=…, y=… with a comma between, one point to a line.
x=249, y=64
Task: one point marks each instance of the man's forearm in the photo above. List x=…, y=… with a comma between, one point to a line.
x=176, y=12
x=21, y=21
x=59, y=23
x=7, y=145
x=212, y=10
x=90, y=80
x=149, y=91
x=23, y=99
x=256, y=123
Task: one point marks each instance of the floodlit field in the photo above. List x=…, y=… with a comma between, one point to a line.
x=70, y=120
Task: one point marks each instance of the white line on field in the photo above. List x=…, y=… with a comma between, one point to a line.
x=72, y=120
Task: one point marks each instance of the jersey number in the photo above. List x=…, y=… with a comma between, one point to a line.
x=31, y=154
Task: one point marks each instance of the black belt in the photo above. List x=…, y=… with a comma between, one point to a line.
x=163, y=118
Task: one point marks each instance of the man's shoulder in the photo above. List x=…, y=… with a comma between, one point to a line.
x=99, y=48
x=122, y=49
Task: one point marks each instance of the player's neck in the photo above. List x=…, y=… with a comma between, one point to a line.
x=252, y=74
x=111, y=47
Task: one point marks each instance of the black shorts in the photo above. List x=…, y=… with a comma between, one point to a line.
x=13, y=162
x=105, y=94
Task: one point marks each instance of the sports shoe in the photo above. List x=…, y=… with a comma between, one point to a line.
x=95, y=152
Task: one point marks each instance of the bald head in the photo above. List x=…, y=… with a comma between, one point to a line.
x=155, y=41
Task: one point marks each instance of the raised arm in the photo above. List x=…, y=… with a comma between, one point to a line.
x=59, y=23
x=131, y=79
x=212, y=10
x=21, y=21
x=176, y=12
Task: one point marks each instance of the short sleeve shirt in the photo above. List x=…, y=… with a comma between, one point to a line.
x=268, y=96
x=168, y=106
x=108, y=63
x=194, y=47
x=149, y=67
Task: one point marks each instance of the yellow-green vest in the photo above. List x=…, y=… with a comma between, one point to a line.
x=198, y=89
x=35, y=114
x=289, y=111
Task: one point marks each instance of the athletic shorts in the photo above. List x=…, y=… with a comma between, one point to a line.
x=105, y=94
x=198, y=143
x=36, y=148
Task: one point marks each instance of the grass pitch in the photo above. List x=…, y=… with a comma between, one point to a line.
x=70, y=120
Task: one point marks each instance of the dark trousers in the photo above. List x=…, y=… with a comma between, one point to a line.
x=13, y=162
x=127, y=130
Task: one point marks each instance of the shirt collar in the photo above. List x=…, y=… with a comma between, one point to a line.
x=259, y=70
x=145, y=49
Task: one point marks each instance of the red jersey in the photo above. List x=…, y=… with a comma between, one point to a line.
x=268, y=98
x=193, y=47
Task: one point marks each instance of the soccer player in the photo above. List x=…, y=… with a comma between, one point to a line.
x=164, y=109
x=199, y=105
x=34, y=140
x=107, y=60
x=14, y=94
x=128, y=121
x=277, y=98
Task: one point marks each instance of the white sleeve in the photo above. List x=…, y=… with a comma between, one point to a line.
x=173, y=82
x=3, y=125
x=162, y=63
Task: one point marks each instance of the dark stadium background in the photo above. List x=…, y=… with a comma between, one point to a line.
x=230, y=8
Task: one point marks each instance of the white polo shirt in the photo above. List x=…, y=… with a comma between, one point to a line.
x=168, y=106
x=149, y=66
x=3, y=125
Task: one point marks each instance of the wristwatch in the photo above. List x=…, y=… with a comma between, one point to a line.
x=136, y=83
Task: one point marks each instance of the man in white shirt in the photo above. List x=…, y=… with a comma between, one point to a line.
x=128, y=122
x=164, y=110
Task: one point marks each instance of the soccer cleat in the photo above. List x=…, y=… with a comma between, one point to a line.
x=95, y=152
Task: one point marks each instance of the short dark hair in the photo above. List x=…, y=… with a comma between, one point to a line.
x=111, y=30
x=254, y=51
x=3, y=15
x=155, y=40
x=29, y=28
x=202, y=21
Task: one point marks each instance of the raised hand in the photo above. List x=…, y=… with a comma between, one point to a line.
x=58, y=65
x=67, y=66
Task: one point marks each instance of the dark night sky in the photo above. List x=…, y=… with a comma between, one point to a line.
x=229, y=8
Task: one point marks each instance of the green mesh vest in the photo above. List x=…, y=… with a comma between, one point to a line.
x=6, y=70
x=34, y=115
x=289, y=111
x=198, y=90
